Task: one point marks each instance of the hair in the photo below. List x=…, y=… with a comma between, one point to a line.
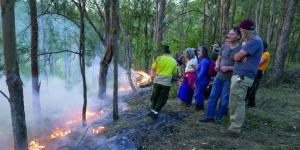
x=189, y=53
x=265, y=46
x=237, y=31
x=250, y=32
x=204, y=50
x=166, y=49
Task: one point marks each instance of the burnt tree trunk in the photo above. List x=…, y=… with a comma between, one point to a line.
x=106, y=59
x=34, y=58
x=282, y=49
x=13, y=79
x=115, y=29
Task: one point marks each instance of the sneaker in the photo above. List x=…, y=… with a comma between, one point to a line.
x=232, y=133
x=206, y=120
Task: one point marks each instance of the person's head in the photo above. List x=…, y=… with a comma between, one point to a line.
x=265, y=46
x=166, y=49
x=189, y=53
x=202, y=52
x=234, y=35
x=247, y=28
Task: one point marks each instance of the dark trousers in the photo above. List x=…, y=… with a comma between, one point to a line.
x=251, y=92
x=159, y=96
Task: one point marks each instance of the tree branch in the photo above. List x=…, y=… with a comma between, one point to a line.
x=95, y=29
x=49, y=53
x=5, y=95
x=183, y=13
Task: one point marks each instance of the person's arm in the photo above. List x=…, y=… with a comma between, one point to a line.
x=204, y=68
x=226, y=68
x=250, y=48
x=240, y=55
x=217, y=67
x=262, y=60
x=153, y=69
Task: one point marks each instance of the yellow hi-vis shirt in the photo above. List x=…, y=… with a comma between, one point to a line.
x=165, y=65
x=264, y=65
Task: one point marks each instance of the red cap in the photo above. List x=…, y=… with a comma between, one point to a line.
x=247, y=24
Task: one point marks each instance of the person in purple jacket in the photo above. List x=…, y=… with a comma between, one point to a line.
x=202, y=78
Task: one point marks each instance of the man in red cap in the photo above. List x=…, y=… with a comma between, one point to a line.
x=245, y=69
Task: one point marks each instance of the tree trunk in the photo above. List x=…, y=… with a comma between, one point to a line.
x=115, y=29
x=233, y=9
x=146, y=49
x=159, y=27
x=82, y=58
x=259, y=15
x=128, y=56
x=44, y=47
x=281, y=52
x=13, y=79
x=108, y=52
x=270, y=24
x=225, y=17
x=34, y=59
x=204, y=22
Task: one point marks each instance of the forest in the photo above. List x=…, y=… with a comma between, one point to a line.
x=75, y=74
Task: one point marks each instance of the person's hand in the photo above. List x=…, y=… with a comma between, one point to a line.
x=217, y=68
x=224, y=69
x=244, y=60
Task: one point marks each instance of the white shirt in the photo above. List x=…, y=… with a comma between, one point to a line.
x=192, y=62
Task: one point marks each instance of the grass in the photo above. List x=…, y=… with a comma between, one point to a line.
x=273, y=124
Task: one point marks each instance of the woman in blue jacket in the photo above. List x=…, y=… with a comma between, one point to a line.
x=202, y=78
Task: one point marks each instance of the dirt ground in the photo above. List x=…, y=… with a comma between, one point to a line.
x=273, y=124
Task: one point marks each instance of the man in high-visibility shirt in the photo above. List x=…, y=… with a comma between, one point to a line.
x=163, y=69
x=264, y=62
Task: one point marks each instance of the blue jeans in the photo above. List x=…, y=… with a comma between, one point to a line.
x=221, y=88
x=200, y=89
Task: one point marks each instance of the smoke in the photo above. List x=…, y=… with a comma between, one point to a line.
x=59, y=100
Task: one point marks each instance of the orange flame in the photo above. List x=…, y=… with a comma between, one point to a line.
x=98, y=130
x=143, y=78
x=59, y=133
x=34, y=145
x=89, y=115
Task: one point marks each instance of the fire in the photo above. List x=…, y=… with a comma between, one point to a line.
x=98, y=130
x=142, y=78
x=89, y=115
x=34, y=145
x=59, y=133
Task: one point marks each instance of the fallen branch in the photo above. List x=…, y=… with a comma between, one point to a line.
x=5, y=95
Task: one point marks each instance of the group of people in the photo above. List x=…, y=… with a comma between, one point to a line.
x=236, y=75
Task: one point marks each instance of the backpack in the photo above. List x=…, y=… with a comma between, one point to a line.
x=211, y=72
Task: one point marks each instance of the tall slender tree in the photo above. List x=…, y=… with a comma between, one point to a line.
x=114, y=31
x=282, y=49
x=106, y=59
x=159, y=26
x=13, y=79
x=34, y=58
x=270, y=24
x=81, y=5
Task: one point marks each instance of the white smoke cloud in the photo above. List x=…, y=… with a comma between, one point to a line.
x=57, y=101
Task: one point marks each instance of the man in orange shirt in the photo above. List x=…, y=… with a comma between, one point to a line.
x=264, y=62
